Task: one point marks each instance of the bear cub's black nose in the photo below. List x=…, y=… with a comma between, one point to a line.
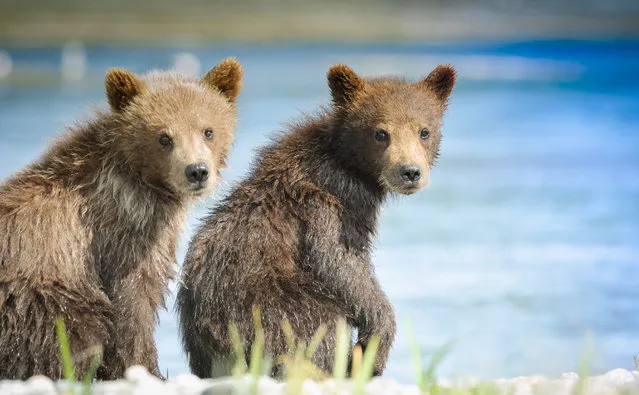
x=197, y=172
x=410, y=173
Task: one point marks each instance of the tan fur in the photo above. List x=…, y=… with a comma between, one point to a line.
x=89, y=231
x=121, y=86
x=227, y=78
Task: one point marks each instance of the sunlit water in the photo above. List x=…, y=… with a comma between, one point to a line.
x=527, y=239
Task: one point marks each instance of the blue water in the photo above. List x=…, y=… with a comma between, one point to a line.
x=525, y=245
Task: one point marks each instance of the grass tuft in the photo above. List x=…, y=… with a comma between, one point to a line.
x=316, y=340
x=426, y=379
x=584, y=367
x=68, y=366
x=257, y=364
x=342, y=350
x=239, y=368
x=365, y=372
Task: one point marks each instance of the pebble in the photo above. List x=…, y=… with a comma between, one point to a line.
x=13, y=387
x=40, y=385
x=620, y=376
x=136, y=373
x=138, y=381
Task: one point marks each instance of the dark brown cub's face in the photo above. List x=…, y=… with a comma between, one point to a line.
x=391, y=127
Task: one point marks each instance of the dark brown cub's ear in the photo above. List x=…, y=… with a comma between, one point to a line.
x=121, y=87
x=441, y=81
x=344, y=83
x=226, y=77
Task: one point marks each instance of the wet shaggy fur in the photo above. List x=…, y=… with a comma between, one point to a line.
x=295, y=237
x=88, y=232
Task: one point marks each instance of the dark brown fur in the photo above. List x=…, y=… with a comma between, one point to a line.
x=88, y=232
x=294, y=238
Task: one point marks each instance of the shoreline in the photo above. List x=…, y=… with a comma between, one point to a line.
x=139, y=381
x=335, y=23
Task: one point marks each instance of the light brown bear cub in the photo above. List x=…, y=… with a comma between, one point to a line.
x=88, y=232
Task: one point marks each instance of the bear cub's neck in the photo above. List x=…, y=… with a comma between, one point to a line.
x=86, y=161
x=315, y=147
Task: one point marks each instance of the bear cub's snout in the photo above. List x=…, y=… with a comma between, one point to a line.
x=410, y=174
x=197, y=173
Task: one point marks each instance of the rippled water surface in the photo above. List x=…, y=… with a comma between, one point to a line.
x=528, y=237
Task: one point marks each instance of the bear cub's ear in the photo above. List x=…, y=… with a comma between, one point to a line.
x=121, y=87
x=345, y=84
x=226, y=78
x=441, y=81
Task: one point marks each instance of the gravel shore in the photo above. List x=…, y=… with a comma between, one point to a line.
x=139, y=382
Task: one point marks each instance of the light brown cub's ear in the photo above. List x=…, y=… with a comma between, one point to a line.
x=441, y=81
x=344, y=83
x=121, y=87
x=226, y=77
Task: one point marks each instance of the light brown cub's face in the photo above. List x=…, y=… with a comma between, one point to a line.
x=391, y=128
x=177, y=130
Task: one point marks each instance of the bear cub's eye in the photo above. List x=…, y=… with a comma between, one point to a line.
x=424, y=133
x=381, y=135
x=208, y=133
x=165, y=140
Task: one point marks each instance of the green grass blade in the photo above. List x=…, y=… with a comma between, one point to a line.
x=87, y=380
x=368, y=364
x=296, y=373
x=238, y=349
x=316, y=340
x=584, y=367
x=341, y=351
x=289, y=335
x=257, y=353
x=257, y=350
x=636, y=358
x=68, y=368
x=267, y=366
x=429, y=375
x=416, y=355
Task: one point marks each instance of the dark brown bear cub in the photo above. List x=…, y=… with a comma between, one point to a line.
x=88, y=232
x=295, y=237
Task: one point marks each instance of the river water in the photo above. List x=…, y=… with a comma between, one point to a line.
x=524, y=250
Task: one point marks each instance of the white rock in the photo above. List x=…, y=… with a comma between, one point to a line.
x=337, y=387
x=117, y=387
x=136, y=373
x=186, y=379
x=619, y=376
x=570, y=376
x=66, y=387
x=383, y=385
x=411, y=390
x=269, y=386
x=310, y=387
x=40, y=385
x=523, y=389
x=219, y=387
x=152, y=386
x=14, y=387
x=187, y=384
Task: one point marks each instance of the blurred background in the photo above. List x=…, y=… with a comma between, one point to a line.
x=525, y=245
